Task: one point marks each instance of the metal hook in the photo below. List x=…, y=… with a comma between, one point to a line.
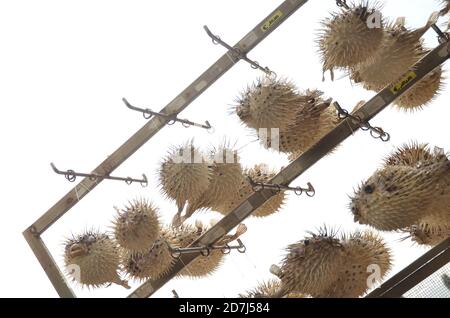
x=172, y=119
x=205, y=251
x=71, y=176
x=258, y=186
x=311, y=191
x=237, y=52
x=375, y=132
x=226, y=249
x=342, y=3
x=144, y=183
x=241, y=248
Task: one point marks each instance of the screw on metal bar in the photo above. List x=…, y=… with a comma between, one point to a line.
x=206, y=250
x=147, y=113
x=342, y=4
x=238, y=54
x=258, y=186
x=442, y=37
x=71, y=176
x=375, y=132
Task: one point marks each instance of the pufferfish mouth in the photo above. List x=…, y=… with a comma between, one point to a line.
x=77, y=250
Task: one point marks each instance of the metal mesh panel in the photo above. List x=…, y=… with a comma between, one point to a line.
x=434, y=286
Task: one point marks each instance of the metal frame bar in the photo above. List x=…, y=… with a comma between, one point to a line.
x=345, y=129
x=414, y=273
x=211, y=75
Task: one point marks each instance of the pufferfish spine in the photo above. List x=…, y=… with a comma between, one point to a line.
x=367, y=259
x=311, y=265
x=184, y=174
x=152, y=263
x=269, y=103
x=269, y=289
x=428, y=232
x=423, y=92
x=311, y=122
x=92, y=259
x=226, y=173
x=350, y=37
x=137, y=226
x=399, y=196
x=400, y=49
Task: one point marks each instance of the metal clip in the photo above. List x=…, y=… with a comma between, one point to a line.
x=375, y=132
x=147, y=113
x=71, y=176
x=238, y=54
x=206, y=250
x=342, y=4
x=258, y=186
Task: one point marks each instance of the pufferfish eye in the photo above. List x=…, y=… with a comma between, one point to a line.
x=368, y=189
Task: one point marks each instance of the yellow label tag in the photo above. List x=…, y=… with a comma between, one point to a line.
x=408, y=77
x=273, y=19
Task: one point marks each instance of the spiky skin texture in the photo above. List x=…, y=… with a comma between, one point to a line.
x=92, y=259
x=202, y=266
x=153, y=263
x=399, y=196
x=363, y=253
x=269, y=289
x=226, y=175
x=311, y=265
x=446, y=7
x=346, y=38
x=184, y=175
x=137, y=226
x=258, y=173
x=310, y=123
x=399, y=50
x=422, y=93
x=413, y=155
x=269, y=103
x=428, y=233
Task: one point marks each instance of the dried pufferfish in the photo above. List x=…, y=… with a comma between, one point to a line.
x=137, y=226
x=225, y=172
x=323, y=265
x=400, y=49
x=413, y=184
x=292, y=122
x=92, y=259
x=184, y=174
x=351, y=36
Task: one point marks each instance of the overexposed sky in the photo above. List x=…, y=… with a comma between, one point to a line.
x=64, y=67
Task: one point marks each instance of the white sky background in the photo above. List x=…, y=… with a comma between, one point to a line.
x=64, y=67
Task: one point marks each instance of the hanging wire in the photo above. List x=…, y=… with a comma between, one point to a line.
x=205, y=251
x=147, y=113
x=216, y=40
x=258, y=186
x=71, y=176
x=375, y=132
